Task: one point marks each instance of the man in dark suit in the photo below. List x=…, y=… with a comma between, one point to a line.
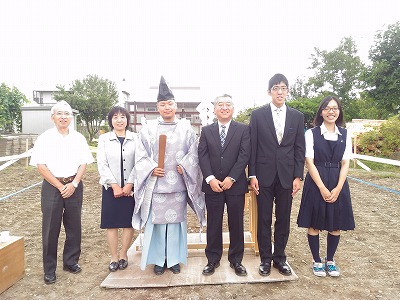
x=224, y=151
x=275, y=169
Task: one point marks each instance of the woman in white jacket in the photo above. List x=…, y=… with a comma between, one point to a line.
x=115, y=162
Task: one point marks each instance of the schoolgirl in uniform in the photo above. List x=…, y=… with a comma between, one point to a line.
x=326, y=203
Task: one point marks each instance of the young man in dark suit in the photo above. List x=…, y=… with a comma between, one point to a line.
x=276, y=168
x=224, y=151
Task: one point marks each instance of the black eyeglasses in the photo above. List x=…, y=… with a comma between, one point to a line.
x=328, y=109
x=277, y=88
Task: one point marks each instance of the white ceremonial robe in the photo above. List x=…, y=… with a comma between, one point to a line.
x=158, y=200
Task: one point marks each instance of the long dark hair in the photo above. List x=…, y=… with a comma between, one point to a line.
x=118, y=110
x=318, y=120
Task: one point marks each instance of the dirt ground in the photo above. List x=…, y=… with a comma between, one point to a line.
x=368, y=256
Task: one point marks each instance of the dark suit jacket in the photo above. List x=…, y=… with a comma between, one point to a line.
x=268, y=158
x=231, y=160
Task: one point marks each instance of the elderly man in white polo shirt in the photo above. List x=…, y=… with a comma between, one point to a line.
x=61, y=155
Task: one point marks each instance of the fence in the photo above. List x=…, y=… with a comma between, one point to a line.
x=10, y=145
x=14, y=144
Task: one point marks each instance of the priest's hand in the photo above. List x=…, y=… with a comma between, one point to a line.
x=179, y=169
x=158, y=172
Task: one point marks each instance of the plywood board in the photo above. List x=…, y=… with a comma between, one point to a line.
x=191, y=274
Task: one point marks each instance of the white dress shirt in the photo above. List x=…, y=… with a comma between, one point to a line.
x=329, y=136
x=62, y=154
x=211, y=177
x=282, y=115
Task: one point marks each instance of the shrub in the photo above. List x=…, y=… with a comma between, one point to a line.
x=383, y=141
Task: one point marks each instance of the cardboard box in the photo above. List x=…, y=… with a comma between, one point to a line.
x=12, y=262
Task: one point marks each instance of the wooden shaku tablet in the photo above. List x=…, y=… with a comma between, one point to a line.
x=161, y=150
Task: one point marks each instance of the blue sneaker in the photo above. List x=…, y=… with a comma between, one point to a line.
x=332, y=269
x=318, y=269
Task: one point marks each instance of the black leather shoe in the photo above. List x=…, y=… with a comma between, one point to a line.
x=73, y=268
x=122, y=264
x=240, y=270
x=159, y=270
x=283, y=268
x=176, y=269
x=113, y=266
x=50, y=278
x=264, y=269
x=209, y=269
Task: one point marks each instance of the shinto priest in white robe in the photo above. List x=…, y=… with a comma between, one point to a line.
x=161, y=202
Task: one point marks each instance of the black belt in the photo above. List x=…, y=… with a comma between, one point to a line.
x=328, y=164
x=66, y=180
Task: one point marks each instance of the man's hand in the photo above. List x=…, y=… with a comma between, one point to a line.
x=254, y=185
x=215, y=185
x=226, y=184
x=159, y=172
x=296, y=186
x=179, y=169
x=67, y=190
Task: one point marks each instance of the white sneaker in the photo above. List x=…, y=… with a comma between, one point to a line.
x=332, y=269
x=318, y=269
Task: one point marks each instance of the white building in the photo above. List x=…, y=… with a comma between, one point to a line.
x=36, y=117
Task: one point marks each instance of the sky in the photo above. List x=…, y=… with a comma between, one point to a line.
x=222, y=46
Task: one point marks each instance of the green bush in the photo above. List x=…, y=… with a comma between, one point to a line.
x=383, y=141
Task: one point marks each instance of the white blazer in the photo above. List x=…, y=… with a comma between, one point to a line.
x=109, y=158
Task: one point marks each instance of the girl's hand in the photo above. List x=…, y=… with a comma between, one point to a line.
x=127, y=189
x=334, y=195
x=118, y=192
x=326, y=194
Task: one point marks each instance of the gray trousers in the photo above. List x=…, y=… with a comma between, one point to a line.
x=54, y=210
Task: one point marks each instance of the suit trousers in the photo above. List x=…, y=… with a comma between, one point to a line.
x=215, y=204
x=283, y=205
x=54, y=210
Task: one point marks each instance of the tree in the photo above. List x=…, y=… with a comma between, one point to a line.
x=93, y=97
x=308, y=106
x=243, y=116
x=338, y=72
x=367, y=108
x=384, y=75
x=11, y=101
x=299, y=89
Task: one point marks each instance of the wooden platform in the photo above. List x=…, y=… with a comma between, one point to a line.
x=250, y=236
x=191, y=274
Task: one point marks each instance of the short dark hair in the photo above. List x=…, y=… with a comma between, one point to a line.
x=277, y=79
x=118, y=110
x=318, y=119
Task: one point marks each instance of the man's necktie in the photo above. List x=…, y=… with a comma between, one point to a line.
x=278, y=126
x=222, y=135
